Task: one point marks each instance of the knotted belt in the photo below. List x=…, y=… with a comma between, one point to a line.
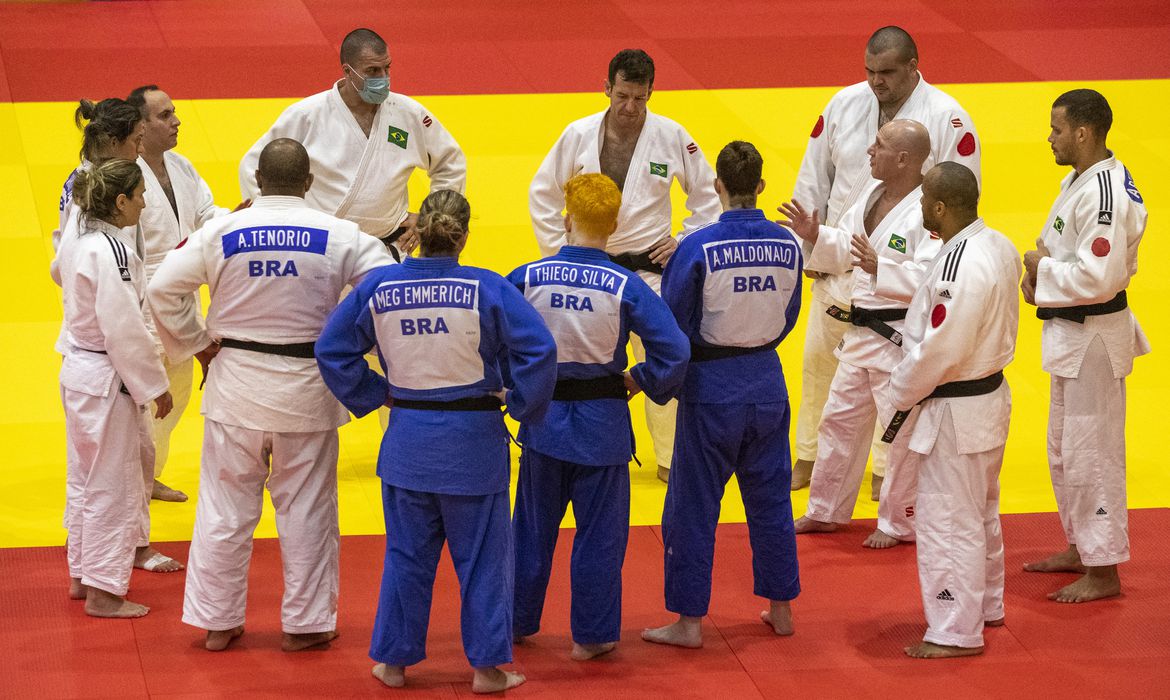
x=950, y=390
x=877, y=320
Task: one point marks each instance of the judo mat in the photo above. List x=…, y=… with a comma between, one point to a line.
x=858, y=609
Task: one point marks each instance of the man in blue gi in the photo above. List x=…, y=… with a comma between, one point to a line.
x=734, y=287
x=579, y=452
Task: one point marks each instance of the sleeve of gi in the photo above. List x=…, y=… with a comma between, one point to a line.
x=832, y=252
x=205, y=208
x=531, y=355
x=447, y=166
x=899, y=280
x=959, y=142
x=792, y=311
x=661, y=375
x=698, y=181
x=341, y=349
x=1100, y=269
x=682, y=287
x=172, y=302
x=128, y=344
x=290, y=124
x=369, y=254
x=546, y=195
x=814, y=181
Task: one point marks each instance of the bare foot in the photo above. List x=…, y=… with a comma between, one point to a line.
x=493, y=680
x=584, y=652
x=664, y=474
x=76, y=589
x=994, y=623
x=99, y=603
x=926, y=650
x=779, y=618
x=392, y=676
x=1068, y=560
x=880, y=540
x=302, y=642
x=806, y=524
x=1098, y=582
x=218, y=640
x=686, y=632
x=162, y=492
x=802, y=474
x=150, y=559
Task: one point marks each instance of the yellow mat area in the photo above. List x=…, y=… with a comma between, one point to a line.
x=505, y=138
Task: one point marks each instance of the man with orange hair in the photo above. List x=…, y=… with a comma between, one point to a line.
x=579, y=451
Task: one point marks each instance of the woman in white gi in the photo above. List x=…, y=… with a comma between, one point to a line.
x=109, y=374
x=449, y=337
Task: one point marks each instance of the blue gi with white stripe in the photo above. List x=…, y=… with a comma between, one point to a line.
x=734, y=287
x=579, y=451
x=442, y=331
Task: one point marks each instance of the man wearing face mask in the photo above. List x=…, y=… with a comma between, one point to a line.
x=364, y=142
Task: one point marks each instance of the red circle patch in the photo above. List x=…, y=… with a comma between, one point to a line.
x=967, y=144
x=1101, y=247
x=820, y=126
x=938, y=315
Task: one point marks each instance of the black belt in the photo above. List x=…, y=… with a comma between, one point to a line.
x=611, y=386
x=950, y=390
x=703, y=353
x=304, y=350
x=391, y=239
x=637, y=261
x=1080, y=313
x=877, y=320
x=473, y=403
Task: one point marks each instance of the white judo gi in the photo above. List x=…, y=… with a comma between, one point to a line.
x=961, y=327
x=274, y=272
x=834, y=164
x=363, y=178
x=162, y=230
x=110, y=372
x=665, y=152
x=1092, y=233
x=860, y=387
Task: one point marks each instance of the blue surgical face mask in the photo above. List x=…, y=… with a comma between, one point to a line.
x=373, y=90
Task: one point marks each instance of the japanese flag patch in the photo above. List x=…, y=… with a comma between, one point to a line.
x=819, y=127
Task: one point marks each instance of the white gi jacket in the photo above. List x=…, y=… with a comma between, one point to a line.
x=904, y=249
x=274, y=272
x=1092, y=233
x=665, y=152
x=362, y=178
x=108, y=346
x=835, y=161
x=961, y=326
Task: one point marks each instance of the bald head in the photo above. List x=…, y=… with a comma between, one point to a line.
x=911, y=138
x=284, y=169
x=892, y=39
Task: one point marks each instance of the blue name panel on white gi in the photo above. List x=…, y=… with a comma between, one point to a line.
x=569, y=275
x=401, y=296
x=257, y=239
x=734, y=254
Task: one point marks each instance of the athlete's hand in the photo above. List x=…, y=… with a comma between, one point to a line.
x=1033, y=257
x=803, y=223
x=866, y=256
x=205, y=356
x=163, y=405
x=1028, y=287
x=632, y=388
x=662, y=251
x=242, y=205
x=409, y=240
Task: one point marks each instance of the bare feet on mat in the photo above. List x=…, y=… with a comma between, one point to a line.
x=806, y=524
x=1069, y=560
x=875, y=487
x=304, y=642
x=686, y=632
x=880, y=540
x=493, y=680
x=162, y=492
x=584, y=652
x=218, y=640
x=1097, y=583
x=779, y=617
x=802, y=474
x=150, y=559
x=391, y=676
x=926, y=650
x=664, y=474
x=99, y=603
x=76, y=589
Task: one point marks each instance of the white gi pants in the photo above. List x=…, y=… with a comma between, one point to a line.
x=1086, y=456
x=303, y=484
x=960, y=544
x=181, y=376
x=660, y=420
x=103, y=486
x=857, y=398
x=822, y=336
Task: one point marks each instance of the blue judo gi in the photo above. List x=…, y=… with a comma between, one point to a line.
x=579, y=451
x=442, y=331
x=734, y=288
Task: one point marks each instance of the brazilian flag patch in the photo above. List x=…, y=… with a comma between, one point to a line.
x=898, y=243
x=1058, y=225
x=658, y=169
x=398, y=137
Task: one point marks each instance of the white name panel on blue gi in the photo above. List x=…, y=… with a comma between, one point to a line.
x=428, y=331
x=581, y=305
x=746, y=291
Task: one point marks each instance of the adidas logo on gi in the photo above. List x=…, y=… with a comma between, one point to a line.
x=945, y=595
x=945, y=294
x=1101, y=511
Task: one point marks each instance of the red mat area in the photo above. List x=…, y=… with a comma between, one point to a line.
x=857, y=611
x=272, y=48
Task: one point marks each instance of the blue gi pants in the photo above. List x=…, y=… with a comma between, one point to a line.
x=601, y=506
x=712, y=442
x=477, y=534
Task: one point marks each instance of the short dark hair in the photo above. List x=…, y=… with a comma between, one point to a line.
x=137, y=97
x=954, y=185
x=1085, y=107
x=358, y=40
x=894, y=38
x=284, y=164
x=634, y=65
x=739, y=167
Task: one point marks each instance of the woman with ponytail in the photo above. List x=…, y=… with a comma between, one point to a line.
x=455, y=343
